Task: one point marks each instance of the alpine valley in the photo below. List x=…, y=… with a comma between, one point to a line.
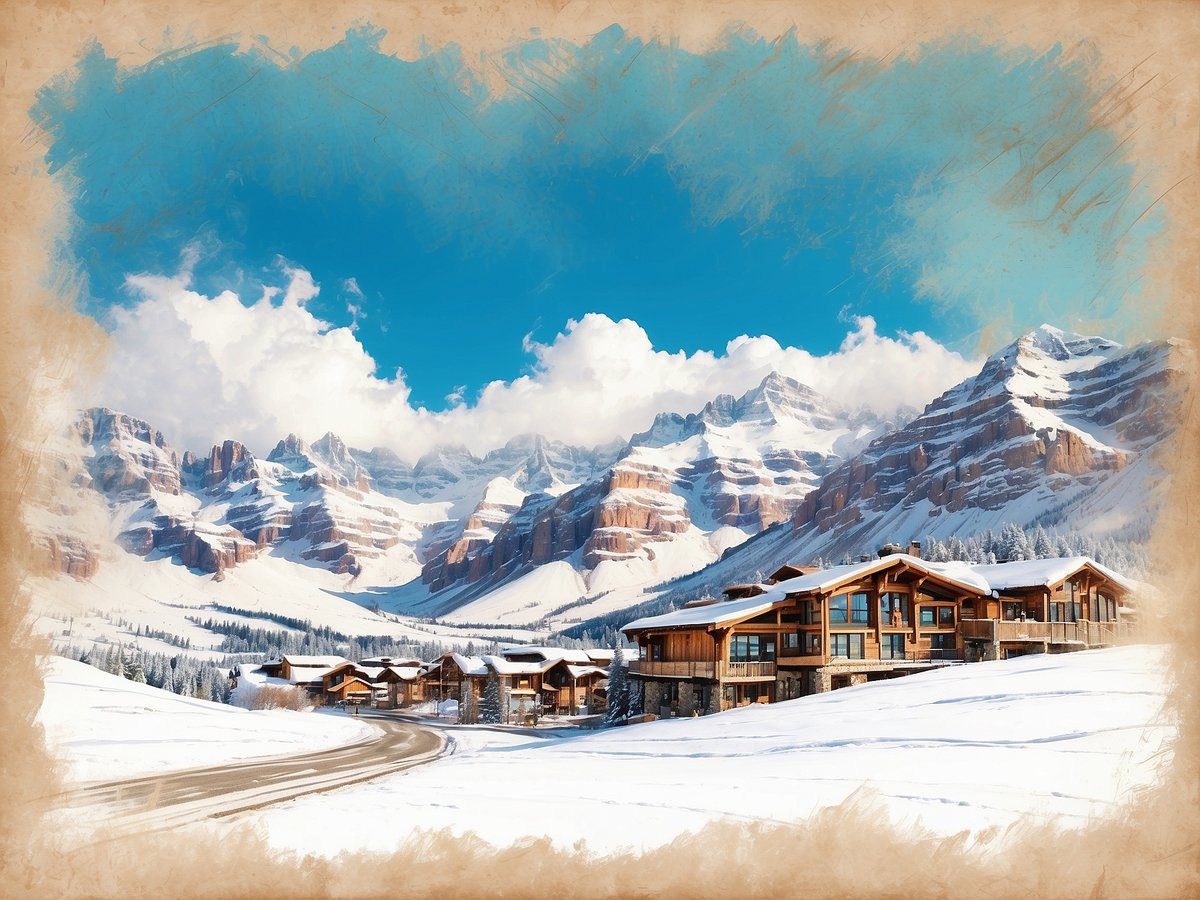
x=1056, y=429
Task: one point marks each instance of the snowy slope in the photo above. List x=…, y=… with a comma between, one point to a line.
x=104, y=727
x=1062, y=739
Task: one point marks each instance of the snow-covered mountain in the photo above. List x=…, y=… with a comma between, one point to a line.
x=681, y=493
x=1056, y=429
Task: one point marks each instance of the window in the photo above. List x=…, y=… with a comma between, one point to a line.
x=945, y=616
x=893, y=609
x=657, y=650
x=927, y=615
x=810, y=613
x=837, y=609
x=848, y=645
x=812, y=645
x=1056, y=612
x=791, y=641
x=892, y=647
x=1012, y=611
x=858, y=609
x=941, y=642
x=751, y=648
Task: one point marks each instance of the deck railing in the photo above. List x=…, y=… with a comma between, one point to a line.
x=702, y=669
x=1090, y=634
x=748, y=670
x=684, y=668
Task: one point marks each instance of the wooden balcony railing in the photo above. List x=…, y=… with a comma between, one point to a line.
x=748, y=670
x=1089, y=634
x=686, y=668
x=702, y=669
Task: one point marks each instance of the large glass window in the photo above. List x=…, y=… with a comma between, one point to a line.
x=848, y=645
x=945, y=616
x=892, y=646
x=941, y=643
x=928, y=615
x=791, y=641
x=751, y=648
x=858, y=609
x=810, y=612
x=837, y=609
x=893, y=609
x=812, y=645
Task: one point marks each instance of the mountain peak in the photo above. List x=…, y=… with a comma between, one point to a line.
x=1054, y=343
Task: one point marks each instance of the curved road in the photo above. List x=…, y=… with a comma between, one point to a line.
x=162, y=801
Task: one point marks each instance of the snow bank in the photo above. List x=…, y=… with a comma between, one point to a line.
x=108, y=728
x=1062, y=739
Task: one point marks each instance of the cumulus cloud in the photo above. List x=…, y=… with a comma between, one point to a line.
x=203, y=369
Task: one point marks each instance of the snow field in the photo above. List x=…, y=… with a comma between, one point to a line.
x=1059, y=739
x=107, y=728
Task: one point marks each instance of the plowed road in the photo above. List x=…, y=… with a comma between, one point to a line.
x=162, y=801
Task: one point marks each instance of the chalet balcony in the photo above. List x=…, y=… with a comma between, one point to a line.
x=1085, y=633
x=750, y=671
x=684, y=668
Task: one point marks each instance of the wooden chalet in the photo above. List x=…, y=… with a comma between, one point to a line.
x=349, y=683
x=570, y=680
x=446, y=677
x=815, y=630
x=401, y=685
x=308, y=671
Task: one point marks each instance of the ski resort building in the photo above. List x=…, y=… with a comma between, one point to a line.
x=811, y=630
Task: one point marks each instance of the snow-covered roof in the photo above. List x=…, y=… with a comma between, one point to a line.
x=715, y=614
x=825, y=579
x=470, y=665
x=549, y=653
x=1043, y=572
x=504, y=666
x=327, y=662
x=406, y=673
x=309, y=674
x=580, y=671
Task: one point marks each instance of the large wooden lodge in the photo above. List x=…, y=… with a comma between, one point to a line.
x=808, y=630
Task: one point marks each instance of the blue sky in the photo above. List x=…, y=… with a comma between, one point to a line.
x=763, y=188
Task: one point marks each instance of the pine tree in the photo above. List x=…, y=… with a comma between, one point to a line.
x=491, y=710
x=618, y=689
x=1043, y=547
x=468, y=704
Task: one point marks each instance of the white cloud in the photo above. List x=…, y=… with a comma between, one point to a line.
x=203, y=369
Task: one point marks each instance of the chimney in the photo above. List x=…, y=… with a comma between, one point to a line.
x=889, y=549
x=914, y=549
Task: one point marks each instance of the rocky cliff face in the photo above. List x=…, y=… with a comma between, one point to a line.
x=1046, y=421
x=744, y=462
x=127, y=458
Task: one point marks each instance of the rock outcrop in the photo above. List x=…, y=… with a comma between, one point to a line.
x=1047, y=418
